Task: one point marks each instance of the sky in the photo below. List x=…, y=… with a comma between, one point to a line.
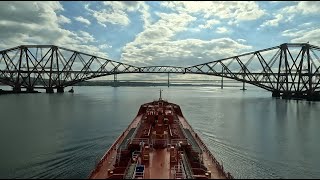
x=171, y=33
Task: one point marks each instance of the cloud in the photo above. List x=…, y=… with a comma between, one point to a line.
x=303, y=7
x=237, y=11
x=39, y=23
x=85, y=37
x=304, y=36
x=281, y=16
x=164, y=29
x=83, y=20
x=241, y=40
x=288, y=13
x=62, y=19
x=145, y=14
x=306, y=24
x=117, y=17
x=209, y=24
x=293, y=32
x=273, y=22
x=274, y=2
x=32, y=22
x=182, y=52
x=105, y=46
x=32, y=12
x=157, y=45
x=115, y=12
x=222, y=30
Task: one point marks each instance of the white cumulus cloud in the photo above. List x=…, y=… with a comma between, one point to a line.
x=222, y=30
x=62, y=19
x=234, y=10
x=39, y=23
x=83, y=20
x=116, y=12
x=156, y=45
x=273, y=22
x=209, y=24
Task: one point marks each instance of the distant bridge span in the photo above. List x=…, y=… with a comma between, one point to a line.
x=288, y=70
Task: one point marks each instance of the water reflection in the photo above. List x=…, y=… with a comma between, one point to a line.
x=64, y=135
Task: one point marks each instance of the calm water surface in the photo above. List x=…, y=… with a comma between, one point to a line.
x=64, y=135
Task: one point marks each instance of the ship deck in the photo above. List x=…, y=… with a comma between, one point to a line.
x=207, y=158
x=109, y=159
x=159, y=165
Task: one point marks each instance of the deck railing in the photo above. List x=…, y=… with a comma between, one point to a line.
x=178, y=172
x=136, y=130
x=129, y=172
x=186, y=166
x=219, y=167
x=176, y=141
x=138, y=140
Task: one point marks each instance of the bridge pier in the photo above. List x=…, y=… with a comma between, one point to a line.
x=115, y=81
x=287, y=95
x=60, y=89
x=30, y=89
x=221, y=82
x=168, y=81
x=243, y=86
x=222, y=78
x=313, y=96
x=49, y=90
x=298, y=95
x=16, y=89
x=275, y=94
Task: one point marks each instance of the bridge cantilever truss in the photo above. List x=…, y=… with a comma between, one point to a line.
x=290, y=69
x=162, y=69
x=47, y=66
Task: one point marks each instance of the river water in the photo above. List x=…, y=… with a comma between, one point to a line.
x=65, y=135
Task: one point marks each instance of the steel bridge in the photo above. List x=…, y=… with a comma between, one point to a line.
x=290, y=70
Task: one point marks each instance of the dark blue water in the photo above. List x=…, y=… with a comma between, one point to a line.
x=64, y=135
